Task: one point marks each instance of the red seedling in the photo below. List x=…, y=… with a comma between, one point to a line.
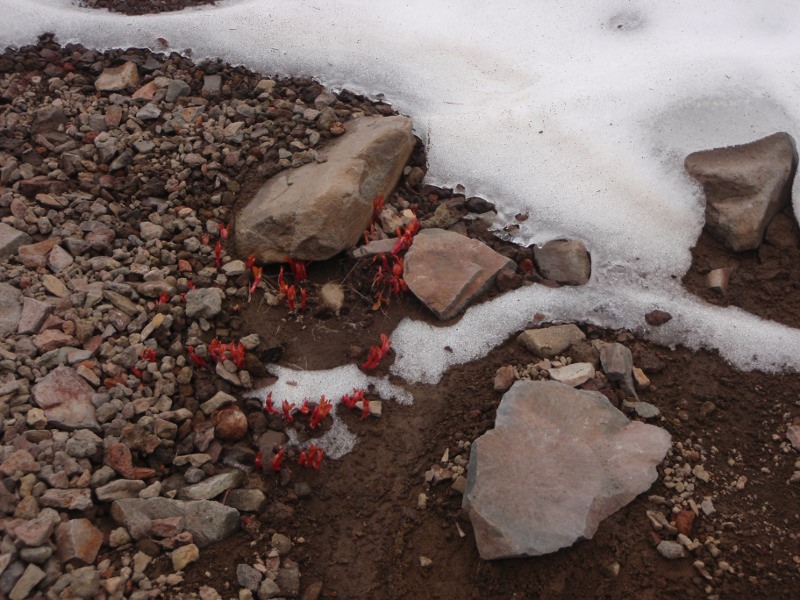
x=269, y=407
x=218, y=253
x=405, y=239
x=282, y=287
x=149, y=355
x=257, y=271
x=320, y=412
x=276, y=461
x=190, y=284
x=376, y=353
x=236, y=350
x=364, y=408
x=198, y=360
x=223, y=230
x=299, y=269
x=251, y=260
x=136, y=372
x=287, y=411
x=204, y=239
x=290, y=296
x=377, y=207
x=162, y=299
x=258, y=460
x=304, y=407
x=311, y=458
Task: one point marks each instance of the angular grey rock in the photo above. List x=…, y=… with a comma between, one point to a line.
x=248, y=577
x=564, y=261
x=745, y=187
x=447, y=271
x=208, y=522
x=25, y=584
x=670, y=550
x=10, y=240
x=617, y=364
x=556, y=464
x=549, y=341
x=204, y=302
x=247, y=500
x=72, y=499
x=66, y=399
x=176, y=89
x=34, y=312
x=120, y=488
x=320, y=209
x=10, y=308
x=213, y=486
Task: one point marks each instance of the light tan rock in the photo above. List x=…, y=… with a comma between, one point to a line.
x=116, y=79
x=564, y=261
x=320, y=209
x=745, y=187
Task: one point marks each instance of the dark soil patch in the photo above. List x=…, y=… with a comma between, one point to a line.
x=144, y=7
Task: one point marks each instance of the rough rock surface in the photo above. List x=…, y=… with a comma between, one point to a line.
x=745, y=187
x=320, y=209
x=556, y=464
x=10, y=308
x=207, y=521
x=66, y=399
x=564, y=261
x=447, y=271
x=549, y=341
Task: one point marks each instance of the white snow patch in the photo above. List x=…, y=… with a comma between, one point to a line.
x=296, y=386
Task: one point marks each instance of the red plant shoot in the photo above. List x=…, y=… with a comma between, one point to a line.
x=376, y=353
x=162, y=299
x=258, y=460
x=257, y=271
x=218, y=254
x=303, y=299
x=136, y=372
x=304, y=407
x=299, y=269
x=320, y=412
x=223, y=230
x=364, y=408
x=198, y=360
x=269, y=406
x=251, y=260
x=290, y=297
x=276, y=461
x=149, y=355
x=311, y=457
x=377, y=207
x=287, y=411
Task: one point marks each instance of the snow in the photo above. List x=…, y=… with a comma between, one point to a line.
x=577, y=112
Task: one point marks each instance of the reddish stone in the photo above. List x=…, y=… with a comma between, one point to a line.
x=118, y=457
x=657, y=317
x=41, y=185
x=35, y=255
x=66, y=399
x=78, y=541
x=684, y=521
x=526, y=265
x=51, y=339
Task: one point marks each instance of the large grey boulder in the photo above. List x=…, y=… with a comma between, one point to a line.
x=447, y=271
x=557, y=463
x=320, y=209
x=208, y=521
x=745, y=187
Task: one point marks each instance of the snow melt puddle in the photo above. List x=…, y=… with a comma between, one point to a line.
x=295, y=386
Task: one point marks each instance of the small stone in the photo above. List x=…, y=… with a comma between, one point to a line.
x=55, y=286
x=646, y=410
x=670, y=550
x=550, y=341
x=78, y=541
x=425, y=562
x=717, y=280
x=268, y=589
x=30, y=579
x=574, y=374
x=281, y=543
x=248, y=577
x=204, y=303
x=213, y=486
x=656, y=318
x=117, y=79
x=184, y=556
x=504, y=378
x=247, y=500
x=10, y=241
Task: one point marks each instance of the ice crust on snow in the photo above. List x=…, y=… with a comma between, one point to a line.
x=296, y=385
x=579, y=113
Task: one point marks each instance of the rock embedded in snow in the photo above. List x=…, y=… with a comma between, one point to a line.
x=745, y=187
x=564, y=261
x=447, y=271
x=320, y=209
x=66, y=399
x=556, y=464
x=549, y=341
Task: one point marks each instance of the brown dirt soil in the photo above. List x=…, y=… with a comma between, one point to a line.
x=143, y=7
